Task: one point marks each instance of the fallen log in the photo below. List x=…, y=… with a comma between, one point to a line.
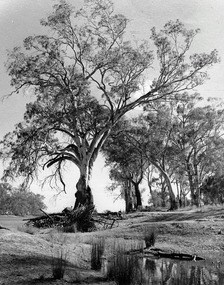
x=159, y=253
x=175, y=255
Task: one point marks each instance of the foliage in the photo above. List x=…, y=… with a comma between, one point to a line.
x=18, y=201
x=178, y=141
x=198, y=138
x=84, y=77
x=126, y=161
x=212, y=189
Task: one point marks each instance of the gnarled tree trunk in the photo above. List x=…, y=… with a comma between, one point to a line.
x=84, y=193
x=137, y=194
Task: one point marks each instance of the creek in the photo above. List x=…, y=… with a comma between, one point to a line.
x=172, y=272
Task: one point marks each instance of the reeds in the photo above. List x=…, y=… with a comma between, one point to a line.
x=59, y=264
x=124, y=268
x=98, y=246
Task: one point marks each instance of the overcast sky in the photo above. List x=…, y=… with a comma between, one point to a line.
x=20, y=18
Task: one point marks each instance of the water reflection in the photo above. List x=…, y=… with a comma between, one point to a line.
x=134, y=269
x=169, y=272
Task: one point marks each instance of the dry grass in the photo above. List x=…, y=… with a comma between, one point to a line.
x=27, y=229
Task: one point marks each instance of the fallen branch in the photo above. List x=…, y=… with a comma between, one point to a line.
x=81, y=217
x=175, y=255
x=2, y=228
x=84, y=218
x=159, y=253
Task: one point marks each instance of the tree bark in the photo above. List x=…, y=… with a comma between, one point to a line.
x=163, y=191
x=84, y=193
x=128, y=197
x=137, y=195
x=194, y=189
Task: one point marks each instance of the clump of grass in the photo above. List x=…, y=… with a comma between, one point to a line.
x=124, y=269
x=150, y=239
x=27, y=229
x=58, y=265
x=98, y=247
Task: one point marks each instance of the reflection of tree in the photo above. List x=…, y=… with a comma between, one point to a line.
x=220, y=277
x=174, y=273
x=150, y=266
x=166, y=272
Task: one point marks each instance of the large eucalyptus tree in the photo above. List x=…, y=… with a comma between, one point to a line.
x=84, y=76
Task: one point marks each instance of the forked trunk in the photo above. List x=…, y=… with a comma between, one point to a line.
x=89, y=154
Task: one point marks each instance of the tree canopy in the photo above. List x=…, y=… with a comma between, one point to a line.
x=178, y=142
x=84, y=76
x=18, y=201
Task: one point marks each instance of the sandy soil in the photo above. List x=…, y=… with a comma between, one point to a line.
x=27, y=259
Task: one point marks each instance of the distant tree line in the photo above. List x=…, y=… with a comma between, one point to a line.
x=17, y=201
x=176, y=146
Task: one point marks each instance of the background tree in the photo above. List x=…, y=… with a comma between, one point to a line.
x=181, y=139
x=212, y=189
x=5, y=189
x=154, y=130
x=120, y=179
x=18, y=201
x=84, y=76
x=198, y=131
x=126, y=161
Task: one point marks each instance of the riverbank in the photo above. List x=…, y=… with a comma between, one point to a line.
x=27, y=259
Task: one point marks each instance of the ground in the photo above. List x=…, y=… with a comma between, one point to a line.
x=26, y=258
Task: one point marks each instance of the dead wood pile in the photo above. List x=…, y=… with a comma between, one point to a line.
x=83, y=219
